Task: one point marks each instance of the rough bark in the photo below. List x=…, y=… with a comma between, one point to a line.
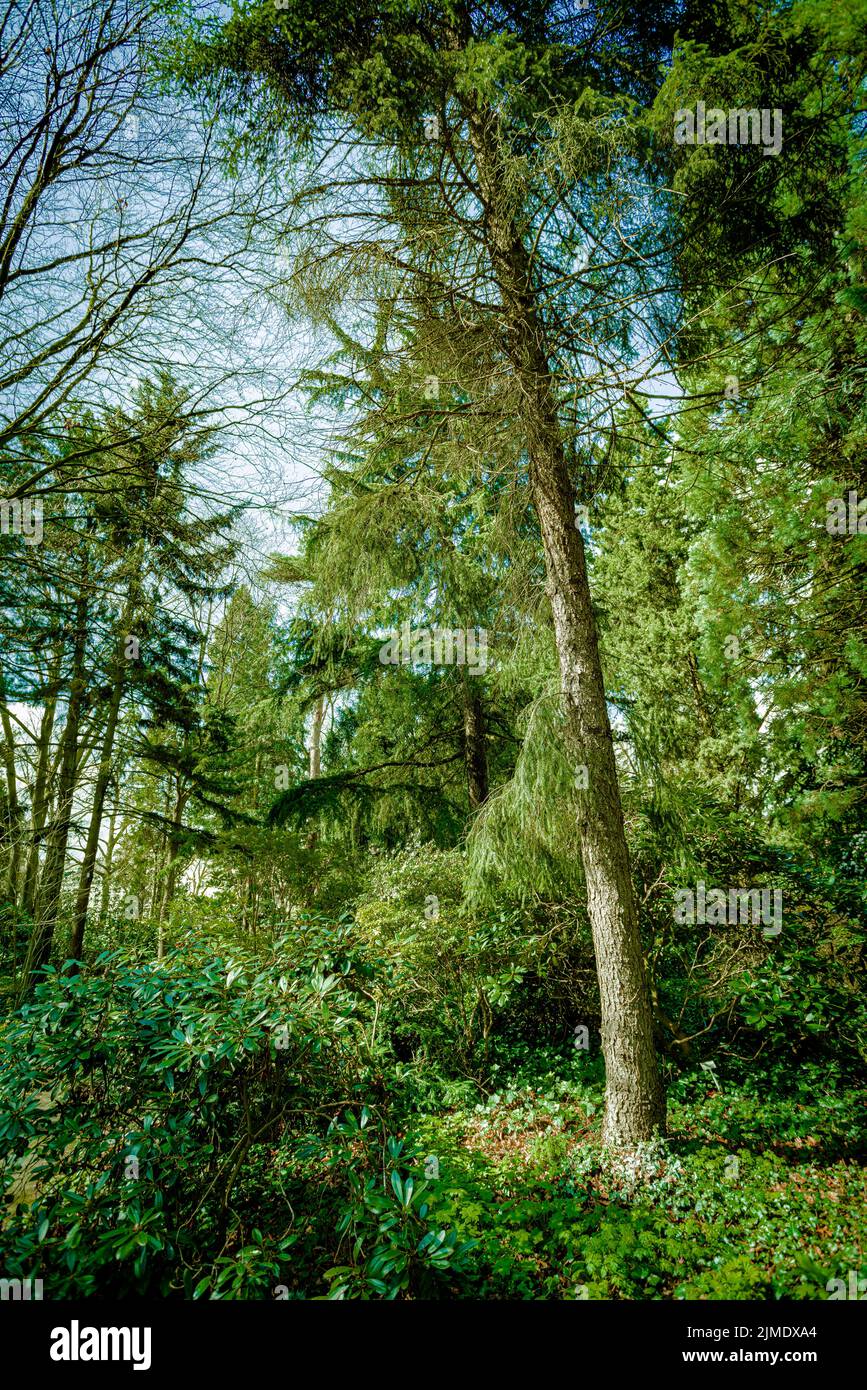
x=634, y=1099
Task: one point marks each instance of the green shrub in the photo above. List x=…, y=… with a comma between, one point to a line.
x=142, y=1106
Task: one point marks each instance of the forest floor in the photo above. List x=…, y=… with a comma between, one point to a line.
x=754, y=1195
x=157, y=1141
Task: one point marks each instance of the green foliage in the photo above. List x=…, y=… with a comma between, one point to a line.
x=459, y=980
x=220, y=1125
x=391, y=1228
x=723, y=1210
x=318, y=1042
x=142, y=1103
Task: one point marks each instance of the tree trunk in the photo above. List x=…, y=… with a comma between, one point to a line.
x=171, y=863
x=91, y=848
x=700, y=696
x=316, y=737
x=118, y=670
x=39, y=813
x=13, y=807
x=151, y=913
x=634, y=1099
x=316, y=754
x=475, y=752
x=51, y=882
x=105, y=885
